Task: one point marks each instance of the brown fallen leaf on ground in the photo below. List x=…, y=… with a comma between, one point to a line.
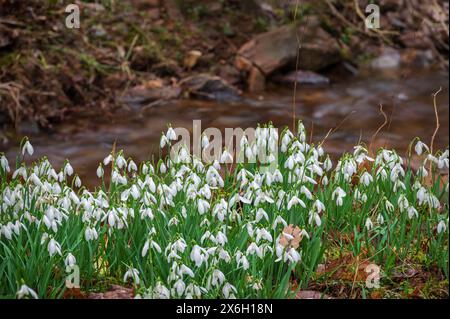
x=291, y=237
x=310, y=294
x=116, y=292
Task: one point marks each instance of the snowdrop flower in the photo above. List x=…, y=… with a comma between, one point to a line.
x=68, y=170
x=412, y=212
x=262, y=233
x=70, y=260
x=54, y=248
x=228, y=291
x=185, y=270
x=402, y=203
x=216, y=279
x=163, y=168
x=441, y=227
x=132, y=273
x=77, y=182
x=260, y=214
x=179, y=287
x=314, y=216
x=419, y=148
x=339, y=195
x=132, y=166
x=161, y=292
x=108, y=159
x=278, y=220
x=90, y=234
x=366, y=179
x=368, y=224
x=380, y=219
x=242, y=261
x=254, y=249
x=28, y=148
x=171, y=135
x=319, y=206
x=198, y=255
x=294, y=201
x=327, y=164
x=25, y=291
x=226, y=157
x=4, y=164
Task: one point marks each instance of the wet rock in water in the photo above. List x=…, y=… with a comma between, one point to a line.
x=116, y=292
x=278, y=48
x=389, y=58
x=417, y=58
x=143, y=94
x=256, y=80
x=205, y=86
x=302, y=77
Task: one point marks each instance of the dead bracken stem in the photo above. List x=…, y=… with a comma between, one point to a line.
x=380, y=128
x=296, y=69
x=437, y=119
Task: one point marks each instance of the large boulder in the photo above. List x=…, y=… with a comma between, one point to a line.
x=277, y=49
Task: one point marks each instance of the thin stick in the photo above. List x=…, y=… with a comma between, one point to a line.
x=296, y=70
x=437, y=119
x=380, y=128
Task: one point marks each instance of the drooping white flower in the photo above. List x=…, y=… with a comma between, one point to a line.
x=28, y=148
x=171, y=134
x=380, y=219
x=4, y=164
x=294, y=201
x=132, y=273
x=25, y=291
x=441, y=227
x=54, y=247
x=339, y=195
x=419, y=148
x=368, y=224
x=70, y=260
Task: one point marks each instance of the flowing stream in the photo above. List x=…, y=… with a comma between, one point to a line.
x=350, y=104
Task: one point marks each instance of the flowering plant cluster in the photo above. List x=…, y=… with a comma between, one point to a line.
x=185, y=229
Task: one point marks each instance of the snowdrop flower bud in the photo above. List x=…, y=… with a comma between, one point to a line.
x=369, y=224
x=327, y=164
x=70, y=260
x=163, y=168
x=27, y=147
x=100, y=171
x=4, y=164
x=441, y=227
x=380, y=219
x=68, y=170
x=77, y=182
x=171, y=135
x=26, y=291
x=108, y=159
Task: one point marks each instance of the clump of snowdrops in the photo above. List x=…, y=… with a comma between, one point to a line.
x=186, y=229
